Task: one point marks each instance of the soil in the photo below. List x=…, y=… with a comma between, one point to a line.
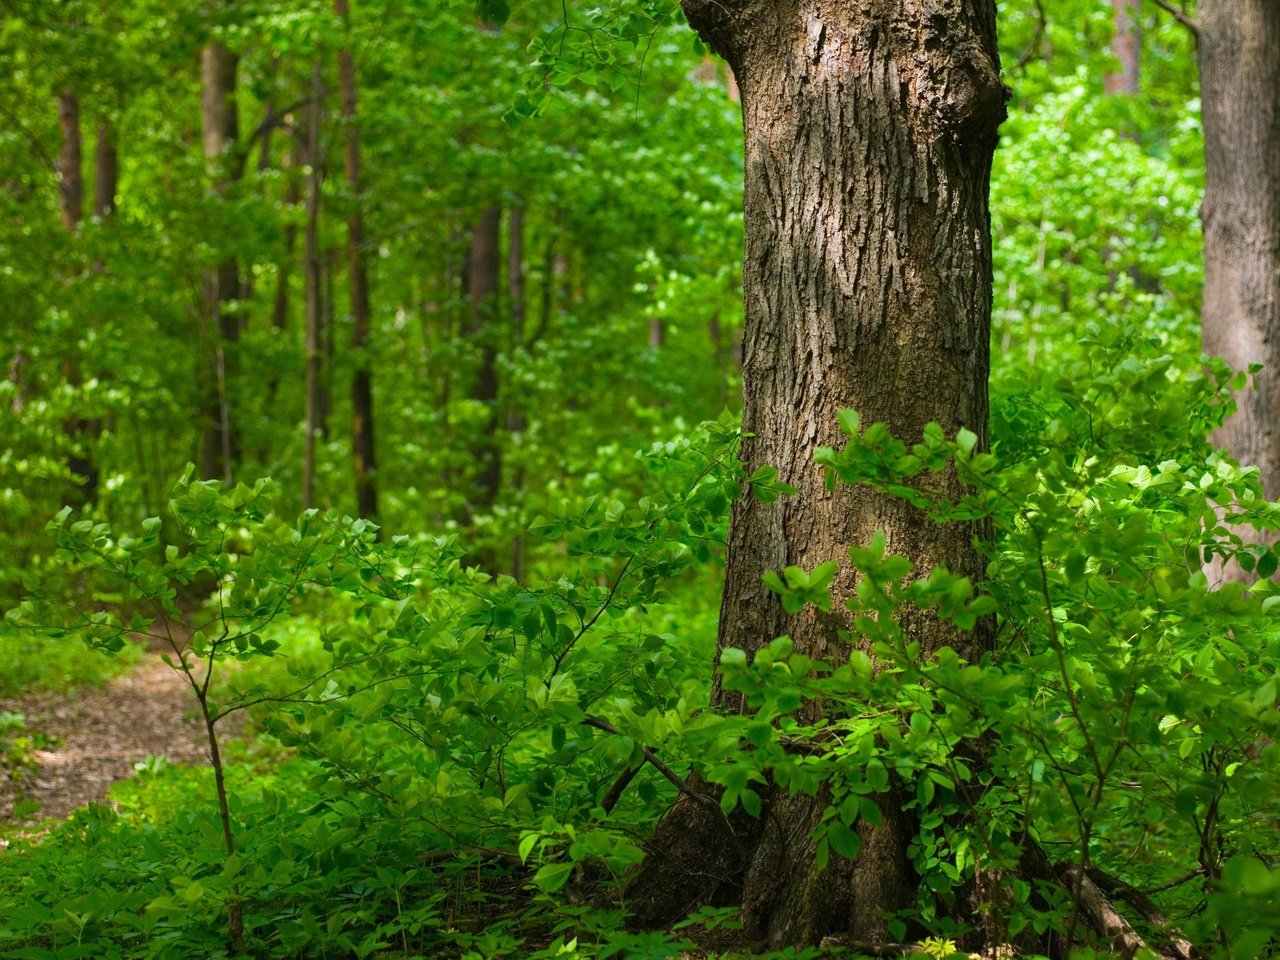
x=98, y=734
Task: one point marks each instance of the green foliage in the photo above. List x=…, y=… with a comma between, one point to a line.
x=34, y=662
x=447, y=761
x=18, y=747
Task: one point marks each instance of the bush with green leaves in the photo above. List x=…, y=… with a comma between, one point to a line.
x=434, y=709
x=1125, y=721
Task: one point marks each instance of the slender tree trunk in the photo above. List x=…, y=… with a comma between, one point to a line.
x=1126, y=45
x=106, y=171
x=484, y=265
x=1239, y=53
x=867, y=285
x=314, y=281
x=71, y=188
x=85, y=431
x=70, y=175
x=220, y=121
x=657, y=333
x=362, y=448
x=515, y=416
x=291, y=161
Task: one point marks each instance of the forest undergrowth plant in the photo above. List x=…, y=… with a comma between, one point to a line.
x=433, y=704
x=1120, y=740
x=255, y=566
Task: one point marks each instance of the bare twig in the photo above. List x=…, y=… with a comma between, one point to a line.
x=1033, y=48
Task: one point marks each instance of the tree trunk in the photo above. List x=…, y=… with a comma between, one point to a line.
x=291, y=161
x=220, y=121
x=70, y=175
x=515, y=416
x=78, y=430
x=314, y=294
x=1240, y=96
x=361, y=379
x=106, y=171
x=867, y=285
x=484, y=265
x=1126, y=45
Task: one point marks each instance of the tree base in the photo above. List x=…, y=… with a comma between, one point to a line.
x=766, y=866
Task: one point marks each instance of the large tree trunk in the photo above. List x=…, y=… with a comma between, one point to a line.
x=1240, y=96
x=361, y=379
x=220, y=121
x=867, y=285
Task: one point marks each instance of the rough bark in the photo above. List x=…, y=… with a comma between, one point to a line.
x=362, y=448
x=484, y=265
x=869, y=133
x=1240, y=96
x=1126, y=45
x=70, y=176
x=220, y=124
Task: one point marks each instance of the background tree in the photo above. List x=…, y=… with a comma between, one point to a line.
x=1240, y=93
x=220, y=120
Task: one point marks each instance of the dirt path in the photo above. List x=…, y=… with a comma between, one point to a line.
x=101, y=733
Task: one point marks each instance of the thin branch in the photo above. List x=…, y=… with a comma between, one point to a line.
x=560, y=658
x=628, y=774
x=1179, y=881
x=678, y=782
x=1033, y=48
x=1180, y=16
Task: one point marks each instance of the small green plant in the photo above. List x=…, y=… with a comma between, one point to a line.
x=18, y=746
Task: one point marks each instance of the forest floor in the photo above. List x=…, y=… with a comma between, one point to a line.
x=97, y=736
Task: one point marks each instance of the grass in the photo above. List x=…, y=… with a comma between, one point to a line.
x=32, y=662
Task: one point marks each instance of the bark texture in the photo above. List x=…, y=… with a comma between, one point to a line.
x=869, y=132
x=1239, y=53
x=362, y=448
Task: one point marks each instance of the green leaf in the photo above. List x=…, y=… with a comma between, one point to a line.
x=1267, y=564
x=843, y=840
x=552, y=876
